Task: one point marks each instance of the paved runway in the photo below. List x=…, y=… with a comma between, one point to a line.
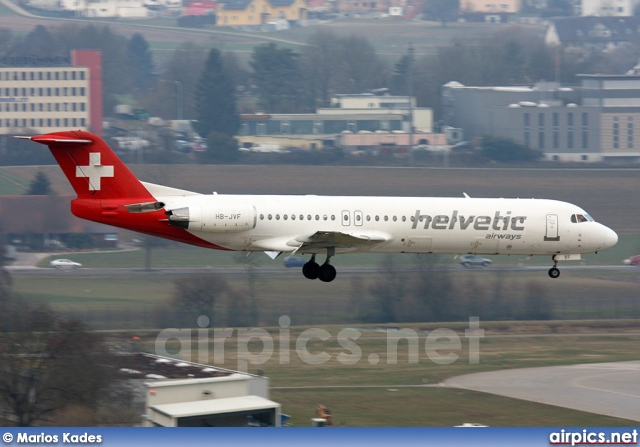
x=612, y=389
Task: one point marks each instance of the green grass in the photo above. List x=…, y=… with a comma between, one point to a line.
x=405, y=407
x=186, y=256
x=387, y=403
x=12, y=184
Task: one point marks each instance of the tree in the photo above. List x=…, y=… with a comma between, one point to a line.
x=141, y=61
x=39, y=42
x=216, y=99
x=196, y=294
x=5, y=280
x=175, y=92
x=49, y=364
x=442, y=11
x=400, y=77
x=117, y=71
x=434, y=289
x=40, y=185
x=358, y=67
x=318, y=69
x=537, y=306
x=221, y=148
x=388, y=292
x=149, y=243
x=506, y=150
x=276, y=74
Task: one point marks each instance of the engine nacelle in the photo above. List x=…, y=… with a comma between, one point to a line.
x=217, y=218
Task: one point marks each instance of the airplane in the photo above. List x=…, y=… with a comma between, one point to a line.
x=109, y=193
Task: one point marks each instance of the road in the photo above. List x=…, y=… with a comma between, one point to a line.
x=30, y=270
x=611, y=389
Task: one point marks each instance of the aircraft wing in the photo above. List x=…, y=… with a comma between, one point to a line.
x=321, y=240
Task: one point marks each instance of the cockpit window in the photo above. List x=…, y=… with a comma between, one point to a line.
x=578, y=218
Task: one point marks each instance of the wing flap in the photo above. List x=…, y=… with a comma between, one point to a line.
x=336, y=239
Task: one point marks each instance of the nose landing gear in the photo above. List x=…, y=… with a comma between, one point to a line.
x=553, y=271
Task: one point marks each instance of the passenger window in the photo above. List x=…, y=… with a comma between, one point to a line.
x=302, y=217
x=333, y=217
x=395, y=218
x=386, y=218
x=324, y=217
x=261, y=216
x=277, y=216
x=377, y=218
x=309, y=217
x=404, y=218
x=293, y=217
x=285, y=217
x=317, y=217
x=368, y=218
x=269, y=217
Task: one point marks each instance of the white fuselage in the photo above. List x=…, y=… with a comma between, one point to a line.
x=394, y=224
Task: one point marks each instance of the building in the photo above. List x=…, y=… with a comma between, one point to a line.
x=596, y=121
x=502, y=6
x=608, y=8
x=259, y=12
x=106, y=8
x=594, y=34
x=364, y=7
x=46, y=222
x=490, y=12
x=41, y=98
x=179, y=393
x=349, y=114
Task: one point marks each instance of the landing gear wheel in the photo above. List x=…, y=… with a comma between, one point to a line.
x=327, y=273
x=311, y=270
x=554, y=272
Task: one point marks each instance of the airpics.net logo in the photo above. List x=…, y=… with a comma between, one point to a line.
x=257, y=346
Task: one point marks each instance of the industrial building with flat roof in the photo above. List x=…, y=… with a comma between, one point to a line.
x=599, y=120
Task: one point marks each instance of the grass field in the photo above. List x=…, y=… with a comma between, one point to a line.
x=390, y=393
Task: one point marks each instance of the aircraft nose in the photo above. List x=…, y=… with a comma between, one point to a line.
x=611, y=238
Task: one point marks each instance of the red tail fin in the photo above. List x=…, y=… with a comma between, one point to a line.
x=92, y=168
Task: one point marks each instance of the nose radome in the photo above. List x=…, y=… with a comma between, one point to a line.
x=611, y=238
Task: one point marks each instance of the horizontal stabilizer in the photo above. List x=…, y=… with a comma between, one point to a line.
x=52, y=140
x=166, y=191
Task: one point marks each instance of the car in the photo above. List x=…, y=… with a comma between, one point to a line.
x=633, y=260
x=65, y=264
x=469, y=260
x=294, y=261
x=462, y=146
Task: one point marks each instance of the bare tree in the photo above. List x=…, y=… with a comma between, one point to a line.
x=48, y=364
x=196, y=295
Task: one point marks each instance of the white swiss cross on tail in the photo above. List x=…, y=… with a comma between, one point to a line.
x=95, y=171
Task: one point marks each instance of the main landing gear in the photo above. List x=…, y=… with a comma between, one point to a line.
x=553, y=271
x=325, y=272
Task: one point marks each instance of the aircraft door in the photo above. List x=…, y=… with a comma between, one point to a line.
x=357, y=218
x=552, y=228
x=346, y=218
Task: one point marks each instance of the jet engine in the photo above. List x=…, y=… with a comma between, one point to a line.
x=214, y=219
